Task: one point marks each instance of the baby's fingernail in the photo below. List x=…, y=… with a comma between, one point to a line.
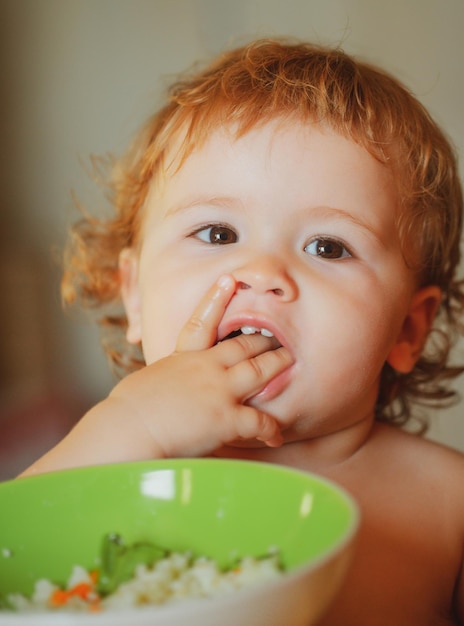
x=226, y=281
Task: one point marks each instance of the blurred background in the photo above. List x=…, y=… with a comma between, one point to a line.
x=78, y=77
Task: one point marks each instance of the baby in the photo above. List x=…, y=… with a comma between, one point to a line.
x=285, y=243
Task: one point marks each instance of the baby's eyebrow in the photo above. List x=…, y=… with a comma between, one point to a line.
x=346, y=216
x=188, y=204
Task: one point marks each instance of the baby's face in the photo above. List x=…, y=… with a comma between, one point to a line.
x=306, y=219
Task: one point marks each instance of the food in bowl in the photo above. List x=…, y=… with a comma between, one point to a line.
x=143, y=574
x=225, y=509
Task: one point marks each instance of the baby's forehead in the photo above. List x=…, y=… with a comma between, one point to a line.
x=186, y=142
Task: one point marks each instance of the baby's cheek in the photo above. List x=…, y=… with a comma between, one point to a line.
x=159, y=340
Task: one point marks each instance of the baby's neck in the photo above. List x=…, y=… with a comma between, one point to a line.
x=320, y=454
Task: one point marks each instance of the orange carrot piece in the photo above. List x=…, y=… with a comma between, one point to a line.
x=59, y=597
x=85, y=591
x=81, y=589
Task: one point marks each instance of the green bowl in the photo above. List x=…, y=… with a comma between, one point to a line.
x=222, y=509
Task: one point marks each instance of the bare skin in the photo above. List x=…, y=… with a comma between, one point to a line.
x=407, y=565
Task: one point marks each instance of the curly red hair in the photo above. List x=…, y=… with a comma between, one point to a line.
x=249, y=86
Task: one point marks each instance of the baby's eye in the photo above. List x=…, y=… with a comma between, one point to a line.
x=217, y=234
x=327, y=248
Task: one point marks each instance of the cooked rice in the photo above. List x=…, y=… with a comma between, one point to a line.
x=171, y=579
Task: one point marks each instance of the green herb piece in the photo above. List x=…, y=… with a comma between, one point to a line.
x=120, y=561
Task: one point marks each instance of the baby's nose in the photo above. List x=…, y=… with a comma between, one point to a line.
x=267, y=276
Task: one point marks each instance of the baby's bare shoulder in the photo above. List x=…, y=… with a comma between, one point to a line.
x=411, y=537
x=413, y=449
x=417, y=459
x=419, y=475
x=439, y=484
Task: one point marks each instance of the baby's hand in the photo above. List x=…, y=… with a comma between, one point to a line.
x=194, y=401
x=187, y=404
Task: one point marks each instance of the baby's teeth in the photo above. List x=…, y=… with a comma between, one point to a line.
x=251, y=330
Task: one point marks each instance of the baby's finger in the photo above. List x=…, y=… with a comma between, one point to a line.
x=200, y=331
x=243, y=347
x=253, y=424
x=248, y=377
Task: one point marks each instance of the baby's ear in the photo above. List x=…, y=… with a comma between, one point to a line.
x=416, y=326
x=128, y=276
